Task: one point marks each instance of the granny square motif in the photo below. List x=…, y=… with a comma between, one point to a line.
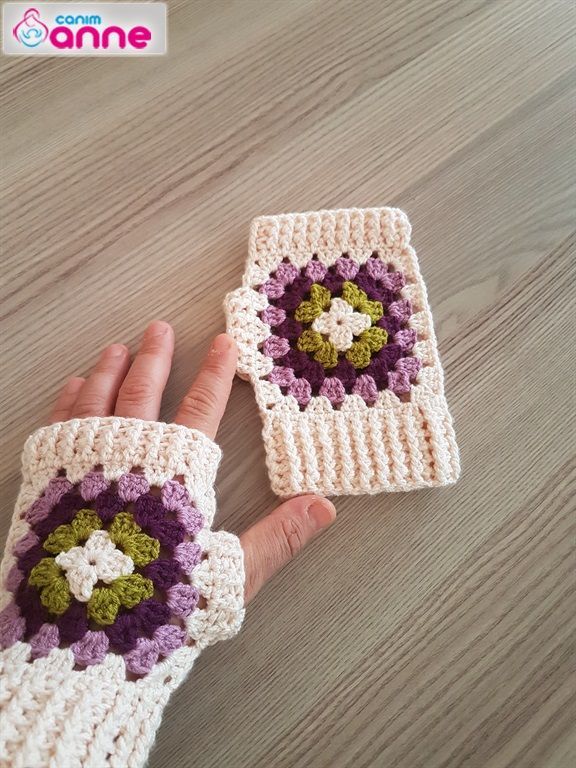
x=335, y=333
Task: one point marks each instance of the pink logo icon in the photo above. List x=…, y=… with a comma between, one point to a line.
x=31, y=31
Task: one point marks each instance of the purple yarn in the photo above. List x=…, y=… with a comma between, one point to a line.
x=313, y=372
x=174, y=496
x=163, y=573
x=334, y=390
x=38, y=511
x=14, y=578
x=281, y=376
x=274, y=289
x=108, y=504
x=273, y=315
x=12, y=625
x=44, y=640
x=346, y=372
x=182, y=599
x=56, y=489
x=409, y=365
x=365, y=386
x=287, y=273
x=124, y=633
x=73, y=624
x=62, y=514
x=29, y=540
x=131, y=486
x=406, y=338
x=400, y=309
x=188, y=554
x=398, y=382
x=191, y=520
x=315, y=271
x=346, y=268
x=275, y=347
x=152, y=613
x=92, y=485
x=290, y=329
x=169, y=638
x=142, y=658
x=31, y=557
x=301, y=390
x=91, y=649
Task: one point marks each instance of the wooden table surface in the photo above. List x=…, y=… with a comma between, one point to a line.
x=433, y=629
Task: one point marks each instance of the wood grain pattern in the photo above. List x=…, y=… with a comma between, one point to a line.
x=425, y=630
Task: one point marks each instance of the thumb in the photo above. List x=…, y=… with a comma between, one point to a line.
x=276, y=539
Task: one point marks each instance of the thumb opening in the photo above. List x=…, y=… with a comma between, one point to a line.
x=276, y=539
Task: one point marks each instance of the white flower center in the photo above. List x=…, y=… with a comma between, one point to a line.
x=341, y=323
x=98, y=560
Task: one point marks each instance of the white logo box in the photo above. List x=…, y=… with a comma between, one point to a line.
x=84, y=29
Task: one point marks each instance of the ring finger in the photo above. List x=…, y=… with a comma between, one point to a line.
x=98, y=394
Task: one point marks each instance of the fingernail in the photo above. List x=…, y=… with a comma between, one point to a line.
x=222, y=343
x=158, y=328
x=115, y=350
x=321, y=513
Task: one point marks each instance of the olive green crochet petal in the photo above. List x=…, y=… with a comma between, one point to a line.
x=103, y=606
x=56, y=596
x=352, y=294
x=320, y=295
x=132, y=589
x=85, y=523
x=141, y=548
x=307, y=312
x=373, y=309
x=375, y=338
x=122, y=528
x=44, y=573
x=309, y=341
x=327, y=354
x=61, y=539
x=359, y=354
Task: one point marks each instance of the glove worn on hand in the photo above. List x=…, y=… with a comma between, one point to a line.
x=112, y=584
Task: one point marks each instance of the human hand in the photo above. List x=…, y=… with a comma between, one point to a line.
x=134, y=390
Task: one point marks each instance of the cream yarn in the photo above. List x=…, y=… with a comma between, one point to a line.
x=346, y=408
x=76, y=692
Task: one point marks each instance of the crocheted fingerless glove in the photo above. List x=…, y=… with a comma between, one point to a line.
x=335, y=333
x=112, y=584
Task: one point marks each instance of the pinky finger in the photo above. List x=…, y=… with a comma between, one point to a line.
x=66, y=399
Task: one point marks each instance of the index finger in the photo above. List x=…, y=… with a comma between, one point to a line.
x=203, y=406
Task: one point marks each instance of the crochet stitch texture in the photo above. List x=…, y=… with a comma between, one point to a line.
x=335, y=333
x=112, y=583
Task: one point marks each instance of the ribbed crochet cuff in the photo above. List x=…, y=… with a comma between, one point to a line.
x=335, y=333
x=111, y=584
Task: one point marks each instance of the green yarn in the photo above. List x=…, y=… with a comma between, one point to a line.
x=132, y=589
x=371, y=340
x=359, y=301
x=103, y=606
x=67, y=536
x=44, y=573
x=324, y=351
x=127, y=534
x=320, y=299
x=141, y=548
x=56, y=596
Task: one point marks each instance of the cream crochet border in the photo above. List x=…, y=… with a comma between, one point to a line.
x=392, y=445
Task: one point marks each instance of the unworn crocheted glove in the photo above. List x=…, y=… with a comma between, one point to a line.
x=112, y=584
x=334, y=330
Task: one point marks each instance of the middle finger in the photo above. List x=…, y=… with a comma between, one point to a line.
x=141, y=393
